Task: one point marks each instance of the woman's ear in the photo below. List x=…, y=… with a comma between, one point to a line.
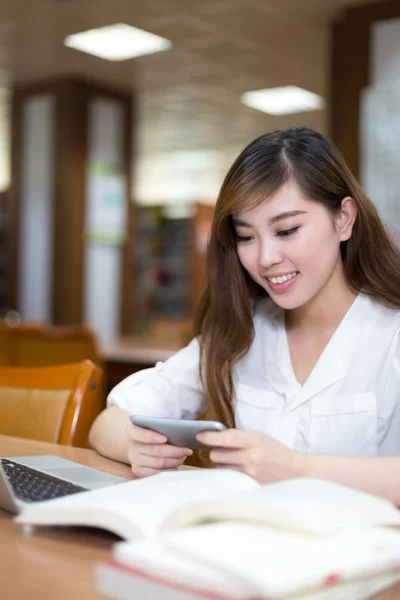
x=346, y=218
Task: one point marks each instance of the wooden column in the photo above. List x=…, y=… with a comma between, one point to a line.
x=71, y=100
x=350, y=73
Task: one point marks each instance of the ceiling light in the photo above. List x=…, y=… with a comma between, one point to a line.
x=117, y=42
x=283, y=100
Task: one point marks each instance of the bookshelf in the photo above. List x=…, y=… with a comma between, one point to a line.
x=169, y=265
x=162, y=280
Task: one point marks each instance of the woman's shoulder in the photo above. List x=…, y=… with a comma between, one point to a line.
x=386, y=310
x=386, y=316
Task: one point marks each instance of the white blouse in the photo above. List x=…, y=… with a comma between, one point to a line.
x=349, y=405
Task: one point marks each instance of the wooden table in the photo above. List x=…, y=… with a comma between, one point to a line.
x=58, y=564
x=129, y=355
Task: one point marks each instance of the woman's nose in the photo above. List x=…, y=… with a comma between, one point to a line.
x=269, y=255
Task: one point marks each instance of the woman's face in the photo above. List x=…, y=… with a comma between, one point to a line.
x=290, y=245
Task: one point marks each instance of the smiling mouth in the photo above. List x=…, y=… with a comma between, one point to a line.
x=283, y=278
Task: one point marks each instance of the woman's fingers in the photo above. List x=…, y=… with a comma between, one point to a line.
x=149, y=459
x=145, y=436
x=228, y=457
x=230, y=438
x=159, y=463
x=149, y=453
x=162, y=450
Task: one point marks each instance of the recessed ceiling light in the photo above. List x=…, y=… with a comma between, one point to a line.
x=117, y=42
x=283, y=100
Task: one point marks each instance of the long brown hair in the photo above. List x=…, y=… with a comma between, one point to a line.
x=224, y=319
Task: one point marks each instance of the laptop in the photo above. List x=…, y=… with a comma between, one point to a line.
x=27, y=479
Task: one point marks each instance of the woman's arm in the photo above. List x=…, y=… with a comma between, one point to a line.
x=108, y=434
x=171, y=389
x=266, y=459
x=114, y=436
x=375, y=475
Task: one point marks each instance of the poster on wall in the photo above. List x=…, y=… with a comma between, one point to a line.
x=380, y=151
x=106, y=205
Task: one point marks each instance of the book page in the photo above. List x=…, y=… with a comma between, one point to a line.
x=137, y=507
x=306, y=505
x=281, y=564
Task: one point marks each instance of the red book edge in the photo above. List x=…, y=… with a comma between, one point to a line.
x=166, y=581
x=186, y=587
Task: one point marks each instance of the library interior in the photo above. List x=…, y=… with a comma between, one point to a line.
x=118, y=123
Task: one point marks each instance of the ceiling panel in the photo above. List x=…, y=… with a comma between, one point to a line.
x=189, y=96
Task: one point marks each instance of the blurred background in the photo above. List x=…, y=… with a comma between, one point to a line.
x=112, y=152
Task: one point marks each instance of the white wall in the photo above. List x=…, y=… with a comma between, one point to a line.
x=385, y=51
x=380, y=124
x=36, y=214
x=103, y=256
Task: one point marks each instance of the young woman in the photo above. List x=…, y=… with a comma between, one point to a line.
x=296, y=335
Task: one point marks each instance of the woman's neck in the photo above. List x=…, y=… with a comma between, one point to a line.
x=324, y=311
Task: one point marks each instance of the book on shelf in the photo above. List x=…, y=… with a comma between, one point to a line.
x=221, y=532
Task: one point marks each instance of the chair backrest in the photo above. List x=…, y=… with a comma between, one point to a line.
x=52, y=404
x=42, y=345
x=34, y=345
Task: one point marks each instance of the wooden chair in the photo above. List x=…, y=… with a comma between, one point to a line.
x=43, y=345
x=5, y=333
x=35, y=345
x=52, y=404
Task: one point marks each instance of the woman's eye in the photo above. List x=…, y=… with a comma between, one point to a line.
x=287, y=232
x=243, y=238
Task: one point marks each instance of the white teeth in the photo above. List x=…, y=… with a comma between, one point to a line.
x=283, y=278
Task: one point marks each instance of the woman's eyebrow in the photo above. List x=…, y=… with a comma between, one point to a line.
x=240, y=223
x=286, y=215
x=272, y=220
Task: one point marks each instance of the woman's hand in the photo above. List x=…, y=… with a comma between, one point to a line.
x=257, y=454
x=149, y=453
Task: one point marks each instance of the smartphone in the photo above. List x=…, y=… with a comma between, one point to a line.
x=179, y=432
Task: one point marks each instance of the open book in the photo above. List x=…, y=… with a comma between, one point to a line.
x=175, y=499
x=206, y=528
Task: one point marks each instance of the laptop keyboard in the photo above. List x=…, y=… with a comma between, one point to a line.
x=30, y=485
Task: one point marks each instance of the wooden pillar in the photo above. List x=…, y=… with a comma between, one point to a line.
x=67, y=112
x=350, y=73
